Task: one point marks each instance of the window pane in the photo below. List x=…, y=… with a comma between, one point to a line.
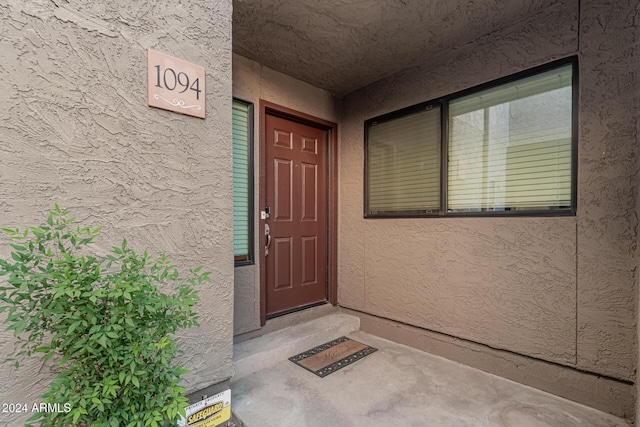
x=509, y=147
x=403, y=164
x=241, y=184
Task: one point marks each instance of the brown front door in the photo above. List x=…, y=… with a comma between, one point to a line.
x=295, y=177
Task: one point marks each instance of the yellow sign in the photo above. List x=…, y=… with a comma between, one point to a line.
x=214, y=420
x=210, y=412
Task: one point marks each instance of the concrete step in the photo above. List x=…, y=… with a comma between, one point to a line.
x=267, y=350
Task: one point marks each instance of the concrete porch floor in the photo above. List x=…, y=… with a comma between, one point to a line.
x=395, y=386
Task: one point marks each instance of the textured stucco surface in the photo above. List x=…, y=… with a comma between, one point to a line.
x=608, y=186
x=561, y=290
x=253, y=82
x=505, y=282
x=637, y=391
x=343, y=45
x=75, y=129
x=525, y=304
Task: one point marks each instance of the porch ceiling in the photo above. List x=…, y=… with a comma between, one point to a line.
x=343, y=45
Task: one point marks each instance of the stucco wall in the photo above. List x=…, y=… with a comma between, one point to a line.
x=253, y=82
x=608, y=186
x=557, y=289
x=637, y=388
x=75, y=129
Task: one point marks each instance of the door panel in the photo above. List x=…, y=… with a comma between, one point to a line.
x=309, y=257
x=282, y=255
x=309, y=192
x=295, y=179
x=283, y=188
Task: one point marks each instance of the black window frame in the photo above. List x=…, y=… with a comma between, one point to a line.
x=250, y=190
x=443, y=104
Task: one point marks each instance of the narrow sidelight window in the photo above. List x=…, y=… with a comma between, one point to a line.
x=242, y=120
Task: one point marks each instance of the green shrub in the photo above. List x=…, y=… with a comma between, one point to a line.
x=104, y=319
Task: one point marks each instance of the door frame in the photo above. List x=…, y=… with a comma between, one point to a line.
x=331, y=128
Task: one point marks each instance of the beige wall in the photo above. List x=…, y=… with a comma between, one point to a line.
x=607, y=187
x=561, y=290
x=75, y=129
x=637, y=387
x=253, y=82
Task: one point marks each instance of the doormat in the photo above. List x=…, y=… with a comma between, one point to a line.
x=329, y=357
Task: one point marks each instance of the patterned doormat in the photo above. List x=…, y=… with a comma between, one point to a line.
x=329, y=357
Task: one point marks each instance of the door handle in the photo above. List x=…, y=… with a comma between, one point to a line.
x=267, y=233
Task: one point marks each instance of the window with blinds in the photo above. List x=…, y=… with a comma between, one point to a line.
x=242, y=181
x=506, y=147
x=403, y=163
x=509, y=147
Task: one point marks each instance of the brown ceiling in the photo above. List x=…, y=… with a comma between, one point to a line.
x=343, y=45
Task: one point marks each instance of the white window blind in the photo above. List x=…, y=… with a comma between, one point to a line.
x=403, y=164
x=509, y=147
x=241, y=185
